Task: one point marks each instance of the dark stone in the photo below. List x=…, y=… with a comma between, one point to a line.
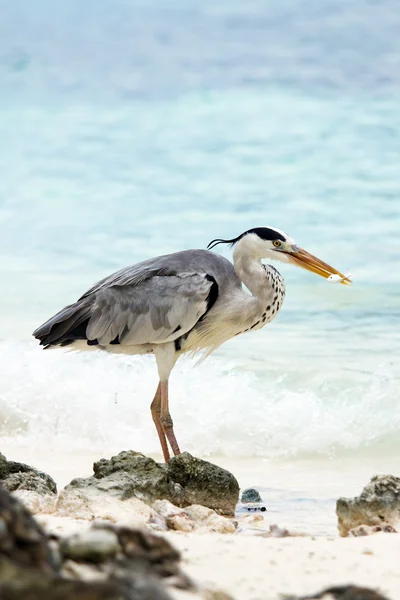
x=3, y=466
x=19, y=476
x=250, y=495
x=38, y=588
x=345, y=592
x=125, y=548
x=23, y=543
x=131, y=462
x=205, y=483
x=28, y=481
x=145, y=547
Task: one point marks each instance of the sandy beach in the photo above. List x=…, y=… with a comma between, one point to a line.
x=252, y=568
x=255, y=568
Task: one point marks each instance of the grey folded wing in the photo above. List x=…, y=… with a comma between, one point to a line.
x=157, y=310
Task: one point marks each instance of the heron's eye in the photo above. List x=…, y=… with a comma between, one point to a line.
x=277, y=243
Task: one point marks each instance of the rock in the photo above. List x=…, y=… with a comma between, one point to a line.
x=118, y=490
x=84, y=571
x=181, y=522
x=208, y=520
x=205, y=483
x=194, y=517
x=110, y=551
x=157, y=523
x=95, y=545
x=18, y=476
x=35, y=502
x=141, y=476
x=29, y=481
x=378, y=503
x=23, y=543
x=362, y=530
x=345, y=592
x=83, y=499
x=250, y=495
x=37, y=588
x=174, y=517
x=3, y=466
x=166, y=509
x=148, y=548
x=105, y=562
x=131, y=476
x=133, y=562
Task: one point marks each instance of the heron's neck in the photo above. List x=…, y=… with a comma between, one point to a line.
x=248, y=267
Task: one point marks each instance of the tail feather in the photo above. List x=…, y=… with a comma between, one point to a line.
x=65, y=325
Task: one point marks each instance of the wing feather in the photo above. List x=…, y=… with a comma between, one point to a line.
x=157, y=310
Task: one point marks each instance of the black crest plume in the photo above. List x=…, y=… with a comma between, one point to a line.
x=265, y=233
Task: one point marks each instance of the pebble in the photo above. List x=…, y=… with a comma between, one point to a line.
x=250, y=495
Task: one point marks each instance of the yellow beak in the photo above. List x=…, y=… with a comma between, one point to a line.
x=304, y=259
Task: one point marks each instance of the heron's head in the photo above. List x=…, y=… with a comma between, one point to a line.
x=272, y=243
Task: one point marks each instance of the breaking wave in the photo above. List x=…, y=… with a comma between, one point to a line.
x=100, y=402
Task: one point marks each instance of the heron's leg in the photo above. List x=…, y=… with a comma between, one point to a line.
x=166, y=357
x=166, y=418
x=155, y=413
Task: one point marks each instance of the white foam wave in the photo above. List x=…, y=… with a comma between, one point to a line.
x=100, y=402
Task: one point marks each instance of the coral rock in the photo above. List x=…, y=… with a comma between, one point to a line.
x=378, y=503
x=131, y=476
x=18, y=476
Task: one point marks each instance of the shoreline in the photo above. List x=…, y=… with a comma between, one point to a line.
x=248, y=564
x=299, y=494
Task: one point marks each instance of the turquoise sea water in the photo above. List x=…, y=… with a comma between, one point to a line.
x=132, y=129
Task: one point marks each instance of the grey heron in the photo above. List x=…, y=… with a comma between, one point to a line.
x=185, y=302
